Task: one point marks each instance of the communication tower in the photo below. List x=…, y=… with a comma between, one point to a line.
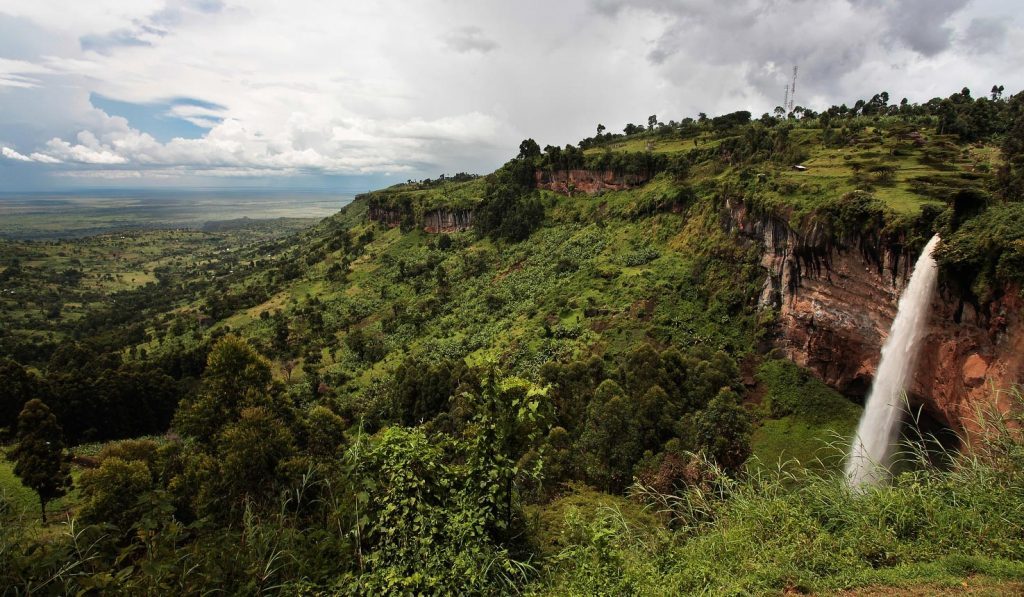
x=792, y=91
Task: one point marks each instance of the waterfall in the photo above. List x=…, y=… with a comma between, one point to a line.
x=871, y=453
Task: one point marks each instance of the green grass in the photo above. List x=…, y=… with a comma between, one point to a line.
x=578, y=503
x=25, y=500
x=783, y=441
x=659, y=144
x=808, y=422
x=17, y=494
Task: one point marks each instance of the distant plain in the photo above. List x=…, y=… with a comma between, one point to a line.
x=57, y=215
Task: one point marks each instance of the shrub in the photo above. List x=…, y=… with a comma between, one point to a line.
x=112, y=492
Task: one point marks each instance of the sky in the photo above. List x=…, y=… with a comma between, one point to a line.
x=352, y=95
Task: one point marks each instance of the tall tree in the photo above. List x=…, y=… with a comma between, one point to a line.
x=39, y=458
x=236, y=377
x=529, y=149
x=17, y=386
x=1011, y=174
x=723, y=430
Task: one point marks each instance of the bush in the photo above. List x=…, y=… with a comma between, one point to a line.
x=112, y=492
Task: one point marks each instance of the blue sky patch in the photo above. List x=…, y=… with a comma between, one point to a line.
x=157, y=118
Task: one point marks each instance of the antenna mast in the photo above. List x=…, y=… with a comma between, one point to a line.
x=785, y=99
x=792, y=91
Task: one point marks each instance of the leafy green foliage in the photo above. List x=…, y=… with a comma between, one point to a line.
x=111, y=492
x=236, y=377
x=242, y=429
x=324, y=432
x=610, y=441
x=1011, y=173
x=986, y=253
x=723, y=430
x=17, y=387
x=510, y=210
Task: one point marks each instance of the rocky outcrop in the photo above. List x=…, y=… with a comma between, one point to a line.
x=963, y=363
x=434, y=221
x=836, y=298
x=448, y=220
x=384, y=215
x=569, y=182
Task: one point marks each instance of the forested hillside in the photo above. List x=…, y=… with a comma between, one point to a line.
x=558, y=378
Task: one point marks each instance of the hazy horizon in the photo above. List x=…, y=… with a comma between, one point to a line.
x=45, y=215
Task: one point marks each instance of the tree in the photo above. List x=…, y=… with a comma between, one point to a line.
x=723, y=430
x=17, y=386
x=324, y=432
x=610, y=443
x=529, y=149
x=652, y=121
x=111, y=492
x=1010, y=178
x=510, y=210
x=600, y=129
x=422, y=389
x=250, y=452
x=243, y=429
x=236, y=377
x=39, y=458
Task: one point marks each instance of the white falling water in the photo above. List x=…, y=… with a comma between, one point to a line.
x=870, y=456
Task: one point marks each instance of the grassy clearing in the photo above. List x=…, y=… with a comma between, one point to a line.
x=808, y=422
x=24, y=500
x=660, y=145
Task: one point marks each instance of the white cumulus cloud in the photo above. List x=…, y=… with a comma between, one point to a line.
x=10, y=154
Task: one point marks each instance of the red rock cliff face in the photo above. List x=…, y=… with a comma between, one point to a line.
x=836, y=301
x=448, y=220
x=434, y=221
x=568, y=182
x=387, y=217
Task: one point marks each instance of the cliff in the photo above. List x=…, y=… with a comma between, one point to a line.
x=434, y=221
x=448, y=220
x=836, y=297
x=568, y=182
x=387, y=216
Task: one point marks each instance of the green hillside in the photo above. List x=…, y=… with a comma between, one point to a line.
x=574, y=395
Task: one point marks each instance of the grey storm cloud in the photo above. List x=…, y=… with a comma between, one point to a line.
x=469, y=39
x=828, y=39
x=986, y=35
x=155, y=25
x=920, y=24
x=107, y=42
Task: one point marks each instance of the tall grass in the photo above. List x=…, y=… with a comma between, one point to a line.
x=799, y=529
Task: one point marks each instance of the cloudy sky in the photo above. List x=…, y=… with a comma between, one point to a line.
x=343, y=94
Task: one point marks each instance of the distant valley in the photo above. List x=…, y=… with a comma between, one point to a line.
x=25, y=216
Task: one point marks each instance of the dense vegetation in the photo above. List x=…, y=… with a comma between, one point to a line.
x=573, y=396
